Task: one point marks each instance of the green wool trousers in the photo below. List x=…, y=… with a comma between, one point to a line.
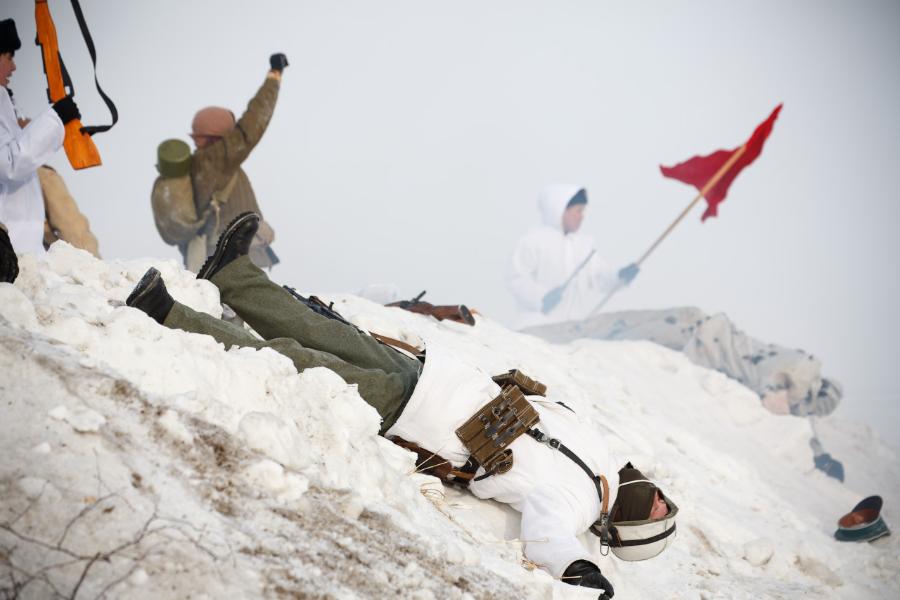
x=385, y=377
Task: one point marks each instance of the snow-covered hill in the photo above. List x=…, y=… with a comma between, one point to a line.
x=142, y=462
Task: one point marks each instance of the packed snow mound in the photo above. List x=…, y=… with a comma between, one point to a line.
x=144, y=462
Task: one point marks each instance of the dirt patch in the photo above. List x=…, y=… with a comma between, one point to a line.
x=370, y=557
x=704, y=540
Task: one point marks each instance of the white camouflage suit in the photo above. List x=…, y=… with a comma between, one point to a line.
x=22, y=151
x=557, y=499
x=774, y=372
x=545, y=257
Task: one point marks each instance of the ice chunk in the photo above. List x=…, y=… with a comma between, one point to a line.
x=758, y=552
x=82, y=419
x=175, y=428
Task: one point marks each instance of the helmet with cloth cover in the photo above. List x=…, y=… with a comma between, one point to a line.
x=633, y=535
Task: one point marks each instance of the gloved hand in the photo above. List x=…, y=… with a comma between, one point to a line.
x=831, y=467
x=629, y=272
x=278, y=62
x=585, y=573
x=9, y=263
x=551, y=299
x=66, y=109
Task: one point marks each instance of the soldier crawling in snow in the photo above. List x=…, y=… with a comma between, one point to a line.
x=561, y=480
x=788, y=381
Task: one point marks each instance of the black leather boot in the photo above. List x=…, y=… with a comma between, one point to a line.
x=233, y=243
x=9, y=263
x=151, y=296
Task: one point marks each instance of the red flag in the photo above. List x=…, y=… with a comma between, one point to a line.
x=698, y=170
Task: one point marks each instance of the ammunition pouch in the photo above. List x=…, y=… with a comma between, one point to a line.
x=526, y=384
x=496, y=425
x=487, y=434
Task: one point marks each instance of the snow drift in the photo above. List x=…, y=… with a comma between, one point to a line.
x=143, y=462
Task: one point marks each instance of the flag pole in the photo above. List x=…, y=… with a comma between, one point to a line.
x=579, y=268
x=619, y=285
x=706, y=188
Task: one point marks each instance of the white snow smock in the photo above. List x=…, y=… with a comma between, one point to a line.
x=714, y=341
x=22, y=151
x=544, y=258
x=557, y=499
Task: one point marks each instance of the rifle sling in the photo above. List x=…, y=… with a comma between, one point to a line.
x=88, y=40
x=67, y=80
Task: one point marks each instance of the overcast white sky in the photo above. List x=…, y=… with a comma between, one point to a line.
x=411, y=139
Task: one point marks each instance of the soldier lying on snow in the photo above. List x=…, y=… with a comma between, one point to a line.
x=560, y=480
x=788, y=381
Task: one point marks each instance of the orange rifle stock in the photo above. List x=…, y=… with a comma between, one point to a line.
x=79, y=146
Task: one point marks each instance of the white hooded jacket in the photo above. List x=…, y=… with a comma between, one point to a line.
x=557, y=499
x=546, y=257
x=22, y=151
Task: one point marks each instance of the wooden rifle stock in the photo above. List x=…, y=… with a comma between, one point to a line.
x=80, y=148
x=452, y=312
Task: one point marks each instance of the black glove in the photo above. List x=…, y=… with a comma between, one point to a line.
x=831, y=467
x=66, y=109
x=551, y=299
x=9, y=263
x=585, y=573
x=278, y=62
x=629, y=272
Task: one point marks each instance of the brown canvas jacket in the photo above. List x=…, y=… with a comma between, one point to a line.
x=64, y=221
x=212, y=167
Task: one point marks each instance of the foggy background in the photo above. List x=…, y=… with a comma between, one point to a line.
x=411, y=140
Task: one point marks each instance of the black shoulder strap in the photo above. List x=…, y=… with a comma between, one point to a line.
x=601, y=527
x=92, y=129
x=554, y=443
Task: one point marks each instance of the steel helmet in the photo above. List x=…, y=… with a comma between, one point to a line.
x=633, y=535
